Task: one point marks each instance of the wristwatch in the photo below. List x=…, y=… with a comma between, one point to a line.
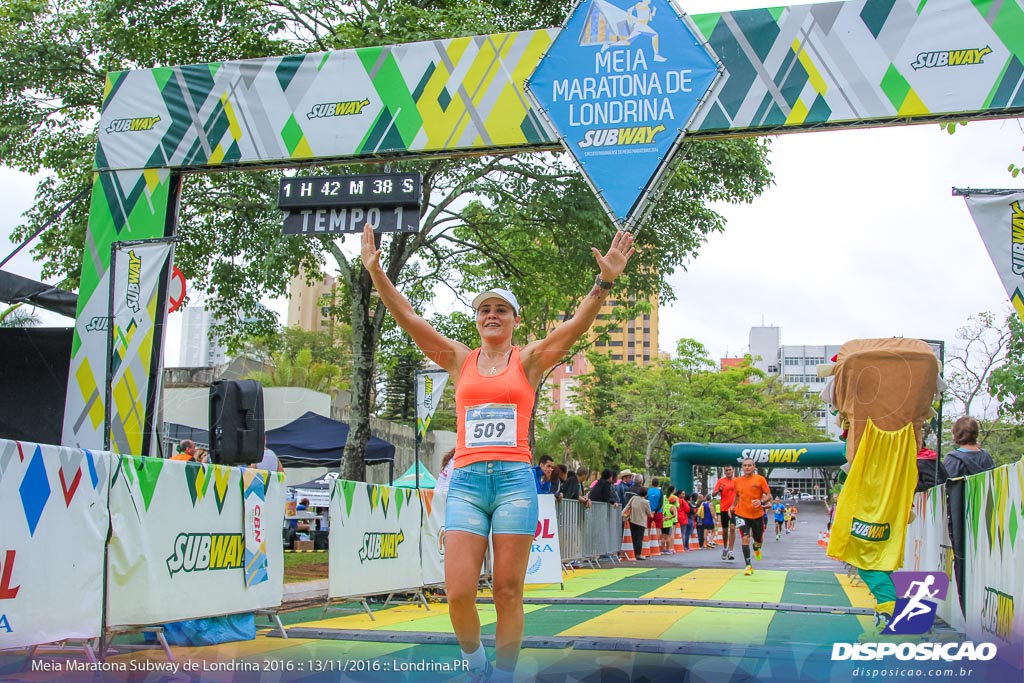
x=603, y=284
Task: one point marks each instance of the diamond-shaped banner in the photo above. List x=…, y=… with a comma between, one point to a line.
x=620, y=84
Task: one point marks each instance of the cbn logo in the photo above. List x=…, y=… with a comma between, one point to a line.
x=869, y=531
x=329, y=109
x=202, y=552
x=380, y=545
x=132, y=125
x=1017, y=238
x=935, y=60
x=997, y=614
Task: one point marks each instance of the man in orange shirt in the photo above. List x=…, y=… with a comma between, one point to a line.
x=726, y=488
x=752, y=493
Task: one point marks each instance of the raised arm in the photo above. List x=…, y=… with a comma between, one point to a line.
x=445, y=352
x=542, y=354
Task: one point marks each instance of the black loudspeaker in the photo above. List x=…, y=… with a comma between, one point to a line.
x=237, y=435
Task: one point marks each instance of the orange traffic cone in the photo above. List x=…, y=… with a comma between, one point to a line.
x=821, y=539
x=626, y=549
x=677, y=539
x=652, y=547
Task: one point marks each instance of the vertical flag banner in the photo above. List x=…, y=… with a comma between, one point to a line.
x=178, y=544
x=374, y=544
x=135, y=308
x=1000, y=221
x=53, y=503
x=995, y=582
x=429, y=390
x=432, y=540
x=257, y=526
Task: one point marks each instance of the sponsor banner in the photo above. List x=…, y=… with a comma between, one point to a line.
x=432, y=540
x=374, y=539
x=1000, y=221
x=53, y=503
x=995, y=582
x=177, y=549
x=545, y=564
x=138, y=271
x=257, y=526
x=929, y=549
x=128, y=205
x=429, y=390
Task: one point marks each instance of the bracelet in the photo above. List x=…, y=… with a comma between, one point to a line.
x=603, y=284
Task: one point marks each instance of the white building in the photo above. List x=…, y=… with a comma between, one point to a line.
x=197, y=349
x=798, y=366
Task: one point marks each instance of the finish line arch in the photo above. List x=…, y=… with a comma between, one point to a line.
x=808, y=67
x=790, y=455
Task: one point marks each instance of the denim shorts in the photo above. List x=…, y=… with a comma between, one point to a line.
x=492, y=497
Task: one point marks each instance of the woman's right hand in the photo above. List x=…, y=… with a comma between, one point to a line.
x=370, y=254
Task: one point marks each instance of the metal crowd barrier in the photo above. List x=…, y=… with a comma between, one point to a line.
x=588, y=534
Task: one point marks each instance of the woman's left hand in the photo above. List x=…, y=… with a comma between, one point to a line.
x=614, y=261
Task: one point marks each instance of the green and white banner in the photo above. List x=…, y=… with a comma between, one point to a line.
x=374, y=540
x=432, y=538
x=995, y=580
x=53, y=507
x=178, y=550
x=1000, y=221
x=429, y=390
x=139, y=272
x=929, y=549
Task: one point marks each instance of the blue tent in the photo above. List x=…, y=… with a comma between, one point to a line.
x=316, y=441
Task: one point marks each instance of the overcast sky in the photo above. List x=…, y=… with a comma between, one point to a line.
x=859, y=237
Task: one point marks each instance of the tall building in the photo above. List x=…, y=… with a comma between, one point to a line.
x=797, y=364
x=636, y=341
x=309, y=305
x=197, y=349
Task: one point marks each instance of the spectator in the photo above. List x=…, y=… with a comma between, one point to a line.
x=570, y=483
x=270, y=460
x=969, y=457
x=671, y=515
x=930, y=472
x=202, y=455
x=656, y=500
x=685, y=519
x=636, y=511
x=622, y=485
x=603, y=491
x=186, y=450
x=542, y=473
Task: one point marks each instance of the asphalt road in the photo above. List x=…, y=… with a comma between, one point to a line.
x=798, y=550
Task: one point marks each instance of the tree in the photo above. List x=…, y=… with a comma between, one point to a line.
x=1007, y=381
x=534, y=221
x=15, y=316
x=298, y=369
x=572, y=438
x=969, y=366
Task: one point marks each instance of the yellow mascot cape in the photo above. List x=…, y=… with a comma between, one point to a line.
x=884, y=388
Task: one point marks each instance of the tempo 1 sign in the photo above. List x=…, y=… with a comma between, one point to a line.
x=343, y=204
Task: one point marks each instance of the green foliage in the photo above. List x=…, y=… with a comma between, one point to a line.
x=16, y=316
x=300, y=370
x=573, y=439
x=1006, y=382
x=646, y=410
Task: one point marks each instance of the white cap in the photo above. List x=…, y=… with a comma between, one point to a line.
x=503, y=294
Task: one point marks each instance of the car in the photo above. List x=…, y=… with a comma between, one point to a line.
x=806, y=496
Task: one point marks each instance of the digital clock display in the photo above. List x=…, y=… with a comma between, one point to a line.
x=371, y=190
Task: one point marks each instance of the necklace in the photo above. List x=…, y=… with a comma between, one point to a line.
x=494, y=363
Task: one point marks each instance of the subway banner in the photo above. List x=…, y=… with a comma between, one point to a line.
x=995, y=582
x=178, y=548
x=139, y=275
x=374, y=540
x=432, y=537
x=53, y=507
x=999, y=216
x=929, y=548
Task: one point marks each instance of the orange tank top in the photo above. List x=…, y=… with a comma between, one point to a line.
x=493, y=413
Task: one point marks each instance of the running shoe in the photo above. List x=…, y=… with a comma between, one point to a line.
x=748, y=571
x=731, y=556
x=777, y=537
x=725, y=555
x=757, y=555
